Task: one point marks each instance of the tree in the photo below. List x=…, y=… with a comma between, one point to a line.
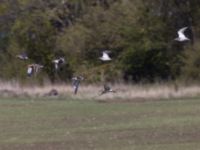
x=35, y=34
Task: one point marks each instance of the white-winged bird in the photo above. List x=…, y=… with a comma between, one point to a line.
x=105, y=56
x=76, y=82
x=33, y=69
x=58, y=62
x=181, y=36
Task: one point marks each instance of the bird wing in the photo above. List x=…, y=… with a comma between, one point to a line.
x=80, y=78
x=55, y=61
x=74, y=79
x=181, y=32
x=75, y=86
x=37, y=68
x=106, y=56
x=19, y=56
x=41, y=66
x=29, y=70
x=24, y=55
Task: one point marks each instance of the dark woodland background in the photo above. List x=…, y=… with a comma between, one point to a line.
x=139, y=33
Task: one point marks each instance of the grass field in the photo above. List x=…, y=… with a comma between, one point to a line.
x=89, y=124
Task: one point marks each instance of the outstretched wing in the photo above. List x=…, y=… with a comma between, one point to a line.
x=22, y=56
x=105, y=55
x=181, y=32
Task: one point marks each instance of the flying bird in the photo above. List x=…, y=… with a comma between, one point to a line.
x=33, y=69
x=58, y=62
x=107, y=89
x=22, y=56
x=76, y=82
x=105, y=56
x=181, y=36
x=30, y=70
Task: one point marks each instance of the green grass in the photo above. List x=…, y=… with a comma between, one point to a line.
x=85, y=124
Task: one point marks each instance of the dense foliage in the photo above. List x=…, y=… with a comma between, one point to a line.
x=140, y=35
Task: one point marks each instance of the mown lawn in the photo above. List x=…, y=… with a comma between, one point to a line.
x=88, y=125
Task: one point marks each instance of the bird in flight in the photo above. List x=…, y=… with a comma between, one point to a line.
x=107, y=89
x=181, y=36
x=76, y=82
x=105, y=56
x=33, y=69
x=58, y=62
x=22, y=56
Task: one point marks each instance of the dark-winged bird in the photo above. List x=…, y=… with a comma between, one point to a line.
x=107, y=89
x=22, y=56
x=76, y=82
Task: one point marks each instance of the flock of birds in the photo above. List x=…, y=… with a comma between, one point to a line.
x=33, y=69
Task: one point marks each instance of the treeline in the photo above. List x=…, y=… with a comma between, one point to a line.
x=139, y=33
